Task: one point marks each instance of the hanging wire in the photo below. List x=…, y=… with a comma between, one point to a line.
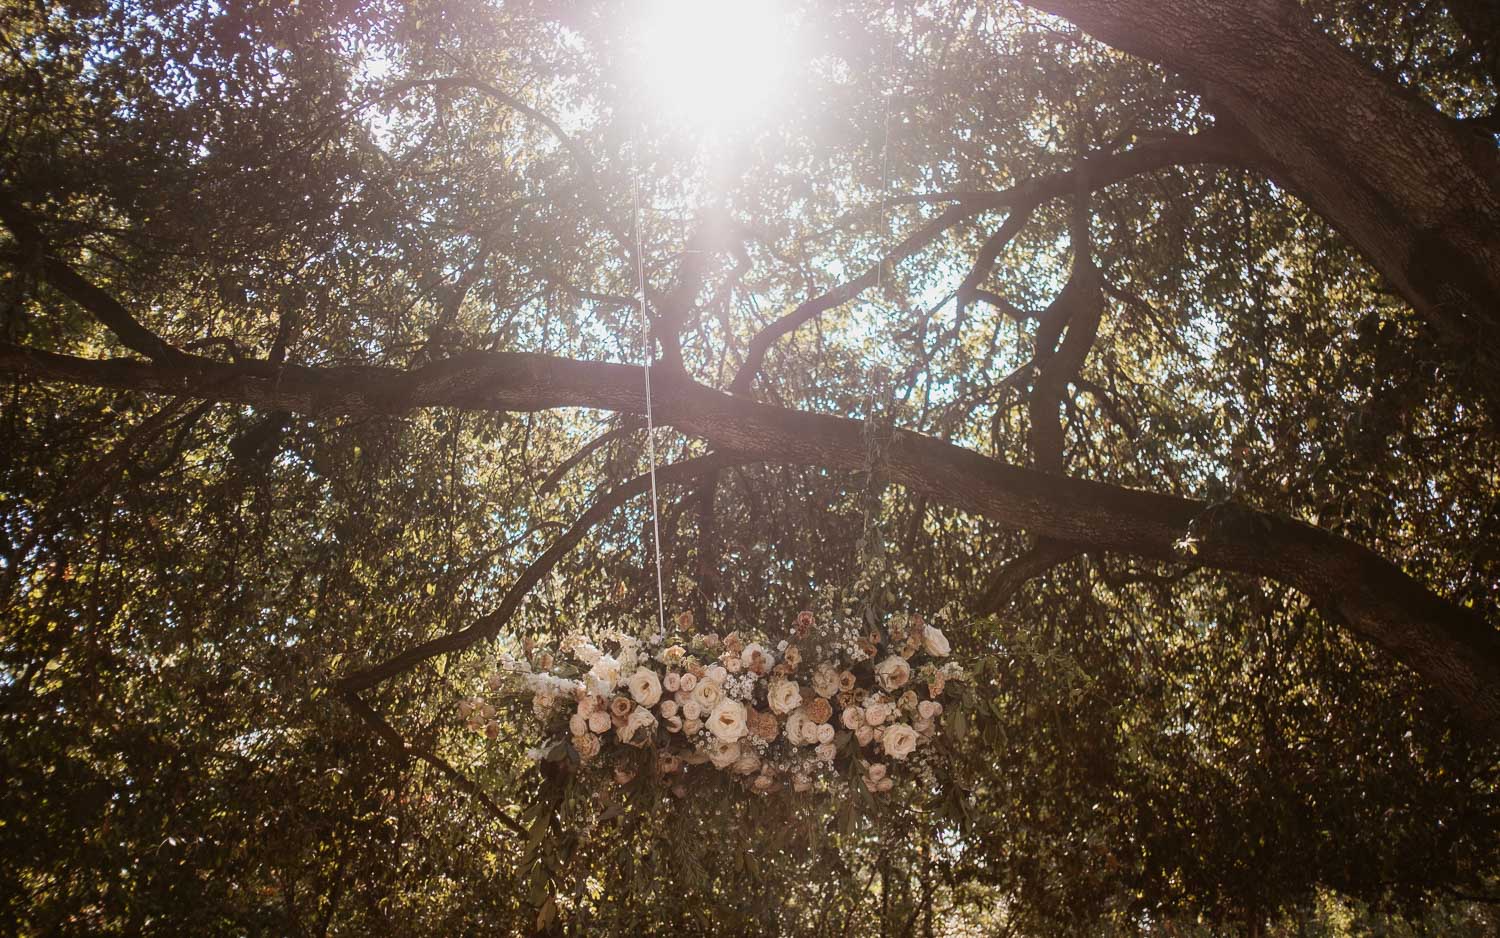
x=885, y=147
x=646, y=350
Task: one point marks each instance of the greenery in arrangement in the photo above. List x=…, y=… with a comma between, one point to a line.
x=1115, y=385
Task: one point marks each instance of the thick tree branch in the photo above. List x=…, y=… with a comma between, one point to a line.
x=1418, y=194
x=1447, y=644
x=69, y=283
x=1008, y=579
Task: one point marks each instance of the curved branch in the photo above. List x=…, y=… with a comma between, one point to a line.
x=490, y=625
x=1217, y=145
x=402, y=751
x=1449, y=645
x=75, y=287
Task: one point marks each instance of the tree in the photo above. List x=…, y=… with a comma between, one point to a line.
x=324, y=358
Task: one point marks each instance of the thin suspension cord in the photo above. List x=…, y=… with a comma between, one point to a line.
x=885, y=147
x=640, y=280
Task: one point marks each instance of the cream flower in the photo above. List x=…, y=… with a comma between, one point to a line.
x=756, y=658
x=727, y=721
x=687, y=682
x=689, y=727
x=825, y=752
x=645, y=687
x=864, y=734
x=876, y=770
x=717, y=674
x=800, y=731
x=636, y=727
x=935, y=643
x=587, y=653
x=784, y=696
x=668, y=708
x=599, y=721
x=587, y=745
x=825, y=681
x=747, y=764
x=892, y=673
x=852, y=718
x=824, y=733
x=578, y=724
x=899, y=740
x=723, y=753
x=673, y=724
x=732, y=663
x=877, y=712
x=672, y=682
x=691, y=710
x=707, y=695
x=604, y=676
x=929, y=709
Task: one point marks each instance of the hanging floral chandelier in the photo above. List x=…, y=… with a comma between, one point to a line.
x=851, y=701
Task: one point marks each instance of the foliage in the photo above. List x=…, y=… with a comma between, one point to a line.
x=1151, y=745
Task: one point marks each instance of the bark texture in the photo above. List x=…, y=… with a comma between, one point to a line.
x=1415, y=191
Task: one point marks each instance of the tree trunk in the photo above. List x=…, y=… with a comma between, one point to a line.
x=1414, y=190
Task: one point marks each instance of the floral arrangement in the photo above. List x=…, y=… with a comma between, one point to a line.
x=845, y=702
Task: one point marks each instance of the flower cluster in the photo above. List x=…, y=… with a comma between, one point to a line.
x=846, y=700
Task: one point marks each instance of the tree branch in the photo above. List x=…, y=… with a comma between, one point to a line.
x=490, y=625
x=1446, y=643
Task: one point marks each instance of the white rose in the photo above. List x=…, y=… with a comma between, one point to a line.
x=800, y=730
x=689, y=727
x=825, y=680
x=893, y=672
x=707, y=695
x=784, y=696
x=599, y=721
x=631, y=731
x=747, y=763
x=899, y=740
x=668, y=708
x=691, y=710
x=929, y=709
x=824, y=733
x=604, y=676
x=877, y=713
x=723, y=753
x=717, y=674
x=578, y=724
x=825, y=752
x=687, y=682
x=935, y=643
x=754, y=650
x=727, y=721
x=673, y=682
x=674, y=724
x=645, y=687
x=852, y=718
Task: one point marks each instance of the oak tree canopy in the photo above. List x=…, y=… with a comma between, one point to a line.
x=1157, y=342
